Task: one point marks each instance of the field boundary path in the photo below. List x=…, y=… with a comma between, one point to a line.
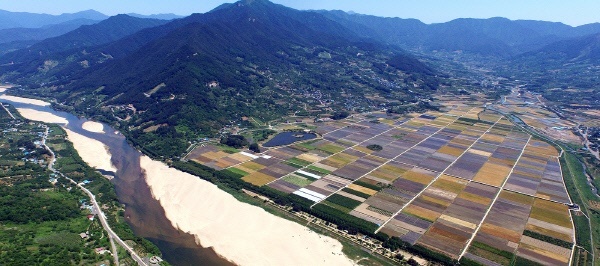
x=493, y=202
x=440, y=174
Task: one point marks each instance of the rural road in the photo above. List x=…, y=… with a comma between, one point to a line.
x=586, y=142
x=8, y=111
x=111, y=234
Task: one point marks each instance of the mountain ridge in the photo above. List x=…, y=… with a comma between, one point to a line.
x=493, y=36
x=10, y=19
x=250, y=58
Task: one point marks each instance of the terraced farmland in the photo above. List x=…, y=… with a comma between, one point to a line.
x=465, y=183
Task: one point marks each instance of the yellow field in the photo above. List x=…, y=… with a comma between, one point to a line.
x=546, y=249
x=450, y=184
x=239, y=157
x=548, y=232
x=458, y=221
x=339, y=160
x=551, y=212
x=492, y=174
x=418, y=176
x=501, y=232
x=480, y=152
x=475, y=198
x=363, y=149
x=422, y=213
x=253, y=166
x=223, y=164
x=215, y=155
x=492, y=137
x=362, y=189
x=451, y=151
x=516, y=197
x=258, y=179
x=541, y=148
x=309, y=157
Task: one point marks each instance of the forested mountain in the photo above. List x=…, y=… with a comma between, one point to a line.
x=30, y=20
x=490, y=37
x=581, y=49
x=104, y=32
x=192, y=76
x=572, y=63
x=65, y=55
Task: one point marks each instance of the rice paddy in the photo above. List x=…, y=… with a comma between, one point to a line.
x=464, y=182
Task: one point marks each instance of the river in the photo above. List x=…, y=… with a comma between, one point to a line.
x=180, y=212
x=144, y=214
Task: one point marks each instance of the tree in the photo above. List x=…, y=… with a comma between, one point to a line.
x=412, y=262
x=340, y=115
x=236, y=141
x=254, y=147
x=374, y=147
x=399, y=256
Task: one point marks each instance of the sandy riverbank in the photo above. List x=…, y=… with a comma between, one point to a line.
x=23, y=100
x=36, y=115
x=242, y=233
x=93, y=126
x=93, y=152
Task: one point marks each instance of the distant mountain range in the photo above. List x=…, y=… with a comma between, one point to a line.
x=30, y=20
x=489, y=37
x=10, y=19
x=580, y=49
x=20, y=29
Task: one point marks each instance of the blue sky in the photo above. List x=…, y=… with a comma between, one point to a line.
x=572, y=12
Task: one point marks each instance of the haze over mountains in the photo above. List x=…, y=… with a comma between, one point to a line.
x=21, y=29
x=256, y=58
x=493, y=36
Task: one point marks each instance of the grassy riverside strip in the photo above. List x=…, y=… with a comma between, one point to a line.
x=582, y=195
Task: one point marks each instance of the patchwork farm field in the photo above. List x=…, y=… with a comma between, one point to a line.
x=463, y=182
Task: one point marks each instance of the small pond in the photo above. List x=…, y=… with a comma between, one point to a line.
x=286, y=138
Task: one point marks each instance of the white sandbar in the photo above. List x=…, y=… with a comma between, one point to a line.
x=242, y=233
x=92, y=151
x=93, y=126
x=46, y=117
x=24, y=100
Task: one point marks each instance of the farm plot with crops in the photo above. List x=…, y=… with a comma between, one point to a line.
x=463, y=182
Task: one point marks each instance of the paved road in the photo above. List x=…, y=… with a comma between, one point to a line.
x=9, y=113
x=111, y=234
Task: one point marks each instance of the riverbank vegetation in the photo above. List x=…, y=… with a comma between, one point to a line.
x=45, y=219
x=72, y=165
x=40, y=216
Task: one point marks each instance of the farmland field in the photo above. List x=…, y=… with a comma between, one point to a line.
x=463, y=182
